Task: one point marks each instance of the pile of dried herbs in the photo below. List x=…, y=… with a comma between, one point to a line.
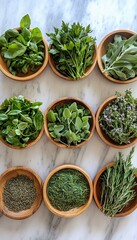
x=20, y=121
x=117, y=185
x=69, y=124
x=68, y=189
x=119, y=119
x=120, y=60
x=72, y=49
x=19, y=193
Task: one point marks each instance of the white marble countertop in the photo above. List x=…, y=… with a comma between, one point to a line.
x=104, y=16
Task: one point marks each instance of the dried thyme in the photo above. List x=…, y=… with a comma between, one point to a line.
x=118, y=184
x=68, y=189
x=19, y=193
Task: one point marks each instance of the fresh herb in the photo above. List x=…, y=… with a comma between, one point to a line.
x=20, y=121
x=68, y=189
x=120, y=60
x=19, y=193
x=72, y=49
x=118, y=184
x=119, y=119
x=69, y=123
x=22, y=49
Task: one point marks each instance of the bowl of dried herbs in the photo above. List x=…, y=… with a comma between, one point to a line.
x=116, y=120
x=69, y=122
x=115, y=187
x=23, y=52
x=117, y=56
x=67, y=191
x=20, y=192
x=73, y=51
x=21, y=122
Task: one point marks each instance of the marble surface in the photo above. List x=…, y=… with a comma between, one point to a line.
x=104, y=16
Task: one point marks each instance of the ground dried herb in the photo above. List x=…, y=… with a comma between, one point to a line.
x=19, y=193
x=68, y=189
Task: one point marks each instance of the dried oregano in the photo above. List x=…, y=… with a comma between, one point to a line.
x=119, y=118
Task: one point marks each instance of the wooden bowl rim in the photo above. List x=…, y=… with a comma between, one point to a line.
x=35, y=74
x=29, y=212
x=100, y=64
x=97, y=177
x=89, y=69
x=99, y=130
x=73, y=212
x=69, y=99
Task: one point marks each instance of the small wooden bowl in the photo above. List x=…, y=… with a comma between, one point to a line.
x=132, y=205
x=30, y=75
x=105, y=138
x=102, y=51
x=13, y=172
x=61, y=102
x=73, y=212
x=88, y=70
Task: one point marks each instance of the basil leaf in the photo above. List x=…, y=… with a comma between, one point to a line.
x=14, y=50
x=25, y=21
x=3, y=117
x=36, y=35
x=22, y=126
x=11, y=33
x=38, y=120
x=14, y=112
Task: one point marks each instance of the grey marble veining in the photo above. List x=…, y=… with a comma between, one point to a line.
x=104, y=16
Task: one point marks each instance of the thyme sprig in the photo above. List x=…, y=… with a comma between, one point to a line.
x=117, y=185
x=119, y=119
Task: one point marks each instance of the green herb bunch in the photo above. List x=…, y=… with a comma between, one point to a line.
x=117, y=185
x=68, y=189
x=72, y=49
x=120, y=60
x=22, y=49
x=119, y=119
x=70, y=123
x=20, y=121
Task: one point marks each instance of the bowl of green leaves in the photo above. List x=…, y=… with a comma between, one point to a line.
x=69, y=122
x=73, y=52
x=67, y=191
x=116, y=120
x=117, y=56
x=115, y=187
x=21, y=122
x=20, y=192
x=23, y=52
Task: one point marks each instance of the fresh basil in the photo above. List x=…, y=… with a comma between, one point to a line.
x=120, y=60
x=72, y=49
x=20, y=121
x=22, y=49
x=69, y=124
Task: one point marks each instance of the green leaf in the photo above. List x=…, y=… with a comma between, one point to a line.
x=3, y=117
x=14, y=50
x=3, y=41
x=58, y=129
x=66, y=113
x=70, y=46
x=73, y=107
x=36, y=35
x=38, y=120
x=51, y=116
x=14, y=112
x=53, y=51
x=17, y=131
x=78, y=123
x=11, y=33
x=33, y=46
x=26, y=33
x=22, y=126
x=25, y=21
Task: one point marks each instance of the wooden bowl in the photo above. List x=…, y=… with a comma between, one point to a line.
x=132, y=205
x=30, y=75
x=102, y=51
x=13, y=172
x=88, y=70
x=73, y=212
x=105, y=138
x=61, y=102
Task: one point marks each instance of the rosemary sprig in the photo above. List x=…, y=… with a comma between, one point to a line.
x=118, y=184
